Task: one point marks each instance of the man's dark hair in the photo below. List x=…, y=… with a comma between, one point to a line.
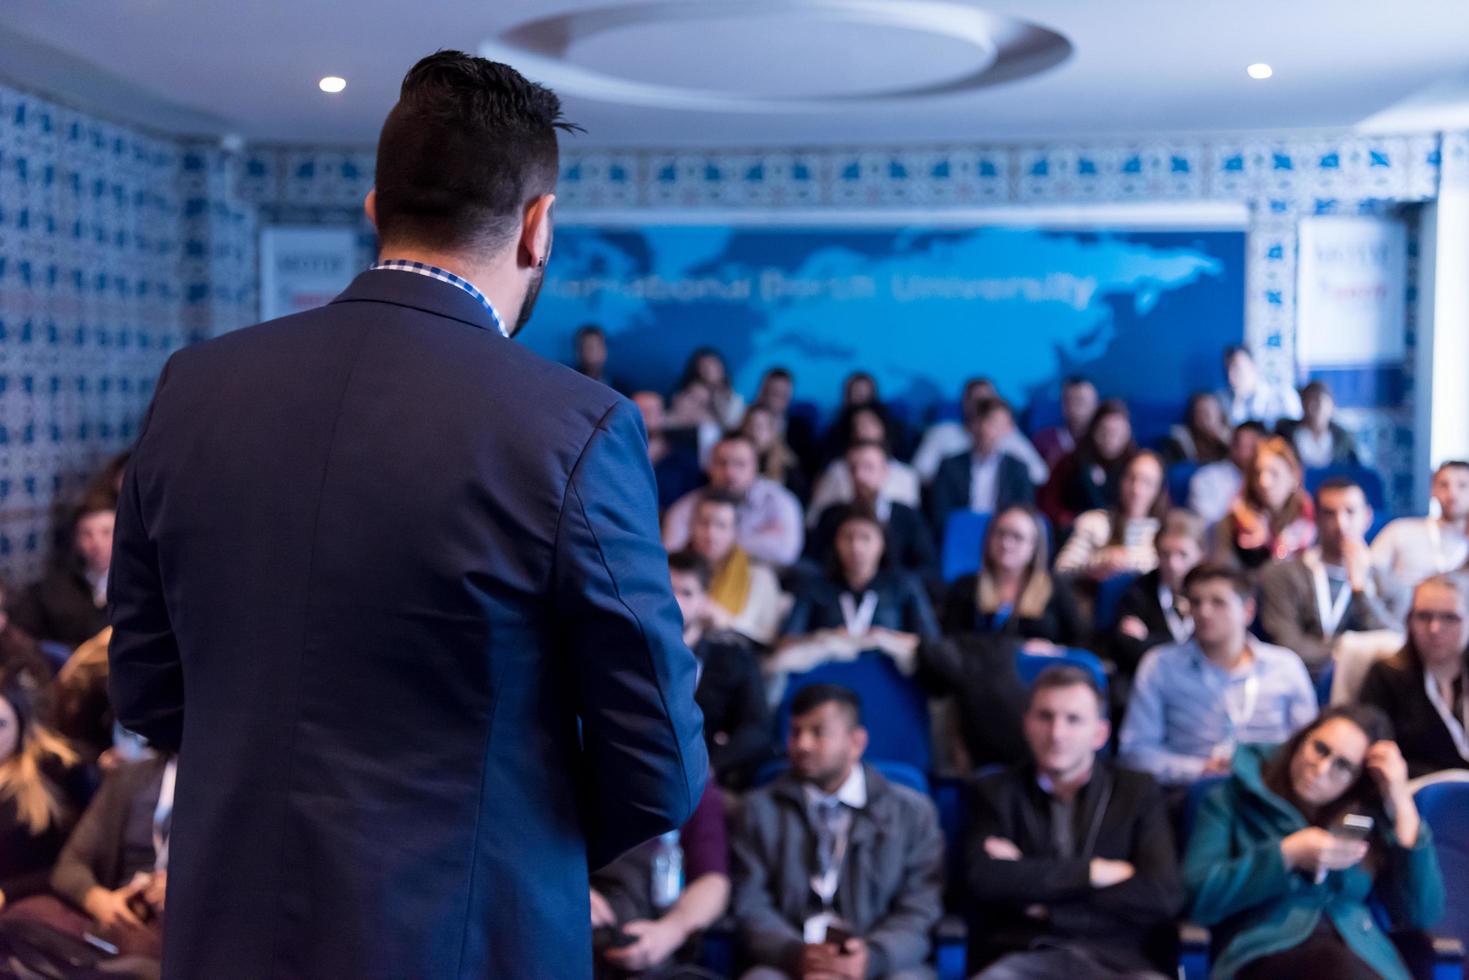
x=990, y=406
x=588, y=330
x=713, y=495
x=690, y=563
x=877, y=444
x=813, y=696
x=1339, y=482
x=1075, y=381
x=1253, y=425
x=735, y=435
x=1066, y=675
x=781, y=373
x=469, y=143
x=1317, y=387
x=1234, y=350
x=1209, y=571
x=1452, y=464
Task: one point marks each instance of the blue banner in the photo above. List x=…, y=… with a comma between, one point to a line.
x=1144, y=313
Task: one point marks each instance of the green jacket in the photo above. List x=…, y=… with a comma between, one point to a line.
x=1238, y=883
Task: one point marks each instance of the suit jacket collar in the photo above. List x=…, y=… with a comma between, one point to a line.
x=418, y=293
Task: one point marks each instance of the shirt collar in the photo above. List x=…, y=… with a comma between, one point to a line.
x=444, y=275
x=853, y=792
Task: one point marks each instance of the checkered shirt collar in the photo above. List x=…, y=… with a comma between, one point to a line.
x=444, y=275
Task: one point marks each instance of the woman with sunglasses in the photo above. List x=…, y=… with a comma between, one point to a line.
x=1421, y=689
x=1285, y=853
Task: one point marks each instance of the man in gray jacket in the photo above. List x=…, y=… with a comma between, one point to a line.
x=837, y=872
x=1310, y=600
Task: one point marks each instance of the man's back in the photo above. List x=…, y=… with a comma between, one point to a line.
x=386, y=541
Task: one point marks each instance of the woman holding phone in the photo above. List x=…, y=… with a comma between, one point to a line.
x=1285, y=853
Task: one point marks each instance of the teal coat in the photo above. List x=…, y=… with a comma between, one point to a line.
x=1238, y=883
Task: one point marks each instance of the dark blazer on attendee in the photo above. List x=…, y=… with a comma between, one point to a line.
x=393, y=583
x=1343, y=443
x=1060, y=621
x=731, y=694
x=1120, y=815
x=953, y=485
x=59, y=608
x=902, y=605
x=910, y=544
x=1140, y=600
x=1396, y=686
x=1290, y=617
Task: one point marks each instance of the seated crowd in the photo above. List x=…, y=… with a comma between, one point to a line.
x=1214, y=709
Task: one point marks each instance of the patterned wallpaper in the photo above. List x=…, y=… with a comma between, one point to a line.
x=117, y=246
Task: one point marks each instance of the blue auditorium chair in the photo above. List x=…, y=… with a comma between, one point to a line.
x=1109, y=596
x=1179, y=475
x=894, y=707
x=963, y=543
x=1445, y=808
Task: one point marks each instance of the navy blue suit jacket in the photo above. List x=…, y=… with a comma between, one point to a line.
x=393, y=586
x=953, y=485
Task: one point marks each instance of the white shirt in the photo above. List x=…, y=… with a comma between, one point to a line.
x=984, y=480
x=771, y=527
x=1413, y=548
x=835, y=487
x=1314, y=450
x=853, y=792
x=1267, y=403
x=947, y=439
x=1213, y=488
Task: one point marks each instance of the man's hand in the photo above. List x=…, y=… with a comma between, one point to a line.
x=1133, y=627
x=1000, y=849
x=825, y=961
x=1105, y=873
x=602, y=914
x=109, y=909
x=1357, y=558
x=1218, y=765
x=656, y=942
x=156, y=891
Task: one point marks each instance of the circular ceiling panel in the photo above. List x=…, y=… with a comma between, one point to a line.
x=773, y=55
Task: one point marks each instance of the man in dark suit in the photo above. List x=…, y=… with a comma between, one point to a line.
x=392, y=586
x=909, y=540
x=984, y=479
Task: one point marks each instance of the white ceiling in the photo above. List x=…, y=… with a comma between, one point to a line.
x=1137, y=67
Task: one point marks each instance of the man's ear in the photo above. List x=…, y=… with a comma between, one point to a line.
x=535, y=231
x=369, y=207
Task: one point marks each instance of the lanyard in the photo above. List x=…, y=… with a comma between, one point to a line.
x=1239, y=714
x=162, y=815
x=1179, y=627
x=1331, y=612
x=858, y=619
x=1456, y=726
x=824, y=882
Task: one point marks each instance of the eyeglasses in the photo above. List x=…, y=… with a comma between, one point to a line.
x=1341, y=768
x=1427, y=617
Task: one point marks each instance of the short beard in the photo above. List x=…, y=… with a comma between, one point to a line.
x=532, y=293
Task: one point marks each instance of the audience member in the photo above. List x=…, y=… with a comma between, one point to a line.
x=859, y=391
x=1284, y=887
x=1154, y=609
x=68, y=605
x=1249, y=398
x=837, y=871
x=1422, y=688
x=1216, y=486
x=1120, y=540
x=706, y=367
x=1078, y=405
x=1310, y=599
x=1194, y=703
x=949, y=438
x=42, y=787
x=745, y=596
x=778, y=461
x=1317, y=437
x=909, y=539
x=644, y=917
x=770, y=525
x=731, y=691
x=590, y=350
x=862, y=423
x=858, y=597
x=984, y=479
x=1273, y=517
x=675, y=463
x=115, y=864
x=80, y=708
x=1087, y=478
x=1413, y=548
x=1013, y=593
x=18, y=650
x=859, y=388
x=1203, y=436
x=777, y=391
x=979, y=672
x=1071, y=859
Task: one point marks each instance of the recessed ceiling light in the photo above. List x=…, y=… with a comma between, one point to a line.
x=1260, y=70
x=332, y=84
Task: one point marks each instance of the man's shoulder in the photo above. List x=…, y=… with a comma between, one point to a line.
x=1277, y=658
x=1286, y=571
